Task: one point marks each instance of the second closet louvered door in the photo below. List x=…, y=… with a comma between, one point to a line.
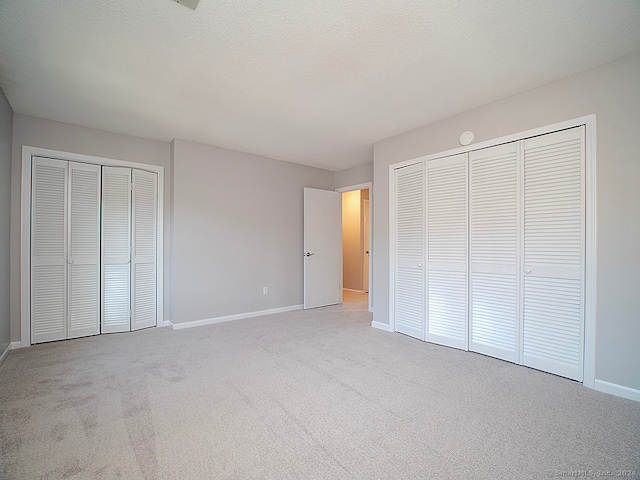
x=143, y=249
x=554, y=222
x=116, y=249
x=447, y=251
x=409, y=292
x=49, y=204
x=84, y=250
x=494, y=244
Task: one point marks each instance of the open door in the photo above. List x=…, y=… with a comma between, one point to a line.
x=322, y=248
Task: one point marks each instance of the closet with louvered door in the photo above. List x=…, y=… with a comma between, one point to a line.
x=129, y=216
x=554, y=253
x=494, y=231
x=409, y=291
x=84, y=250
x=116, y=249
x=65, y=250
x=505, y=252
x=143, y=246
x=447, y=251
x=93, y=249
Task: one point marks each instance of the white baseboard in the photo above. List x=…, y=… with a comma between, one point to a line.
x=16, y=345
x=4, y=353
x=230, y=318
x=617, y=390
x=381, y=326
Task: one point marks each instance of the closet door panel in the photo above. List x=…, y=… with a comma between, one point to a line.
x=144, y=217
x=447, y=251
x=554, y=252
x=84, y=250
x=494, y=241
x=116, y=249
x=48, y=250
x=409, y=289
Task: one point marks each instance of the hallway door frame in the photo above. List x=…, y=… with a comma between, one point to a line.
x=369, y=186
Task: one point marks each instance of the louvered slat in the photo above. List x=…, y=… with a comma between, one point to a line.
x=116, y=244
x=48, y=250
x=144, y=213
x=447, y=308
x=84, y=250
x=409, y=273
x=447, y=251
x=116, y=311
x=144, y=295
x=493, y=189
x=553, y=321
x=48, y=303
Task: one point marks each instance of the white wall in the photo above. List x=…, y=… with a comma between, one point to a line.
x=354, y=176
x=612, y=93
x=6, y=128
x=237, y=227
x=36, y=132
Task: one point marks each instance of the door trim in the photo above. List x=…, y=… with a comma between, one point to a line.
x=591, y=227
x=25, y=227
x=362, y=186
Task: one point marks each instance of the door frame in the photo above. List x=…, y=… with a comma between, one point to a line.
x=591, y=227
x=362, y=186
x=25, y=228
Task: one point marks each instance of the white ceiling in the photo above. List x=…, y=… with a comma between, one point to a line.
x=314, y=82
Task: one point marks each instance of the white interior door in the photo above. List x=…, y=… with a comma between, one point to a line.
x=143, y=241
x=553, y=311
x=84, y=250
x=322, y=248
x=409, y=284
x=494, y=248
x=116, y=249
x=447, y=251
x=48, y=250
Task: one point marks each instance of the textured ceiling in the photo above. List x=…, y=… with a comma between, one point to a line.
x=314, y=82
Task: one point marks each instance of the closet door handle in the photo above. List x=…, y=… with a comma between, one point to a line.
x=527, y=271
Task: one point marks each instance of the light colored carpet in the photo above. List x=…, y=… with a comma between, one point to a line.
x=302, y=395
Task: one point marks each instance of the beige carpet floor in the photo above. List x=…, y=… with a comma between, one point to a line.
x=304, y=395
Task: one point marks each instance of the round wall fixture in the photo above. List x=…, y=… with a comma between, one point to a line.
x=466, y=137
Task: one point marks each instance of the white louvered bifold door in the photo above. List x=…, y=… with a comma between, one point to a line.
x=447, y=251
x=48, y=250
x=409, y=292
x=554, y=252
x=493, y=244
x=143, y=275
x=116, y=249
x=84, y=250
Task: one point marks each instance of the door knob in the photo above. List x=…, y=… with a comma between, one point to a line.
x=308, y=254
x=527, y=271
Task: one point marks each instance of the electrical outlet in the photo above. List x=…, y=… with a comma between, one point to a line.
x=265, y=290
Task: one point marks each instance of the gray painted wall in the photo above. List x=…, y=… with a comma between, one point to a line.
x=237, y=227
x=36, y=132
x=611, y=92
x=354, y=176
x=6, y=128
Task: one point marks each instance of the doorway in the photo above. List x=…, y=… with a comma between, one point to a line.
x=356, y=251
